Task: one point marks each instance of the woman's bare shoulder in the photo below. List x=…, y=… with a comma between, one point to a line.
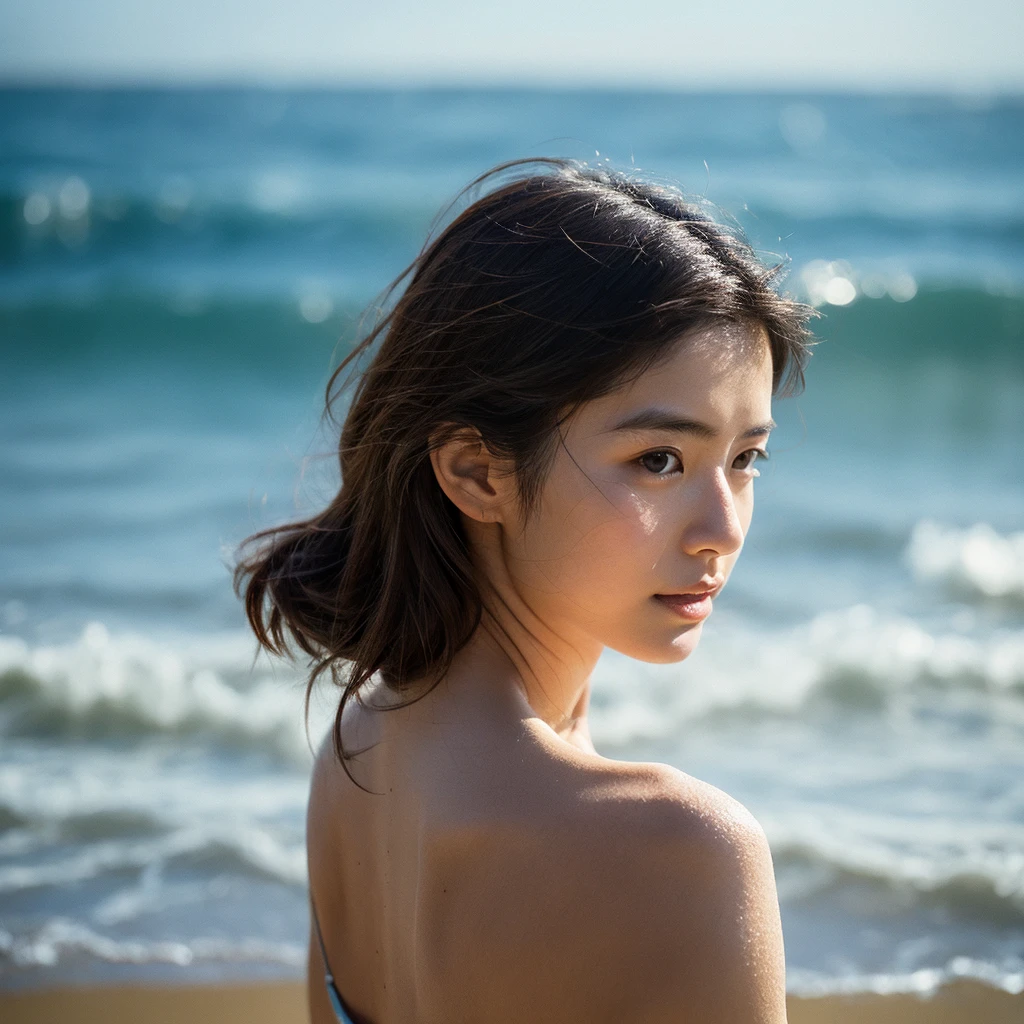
x=652, y=891
x=700, y=910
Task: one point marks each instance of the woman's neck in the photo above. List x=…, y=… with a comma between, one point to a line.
x=553, y=680
x=543, y=667
x=485, y=690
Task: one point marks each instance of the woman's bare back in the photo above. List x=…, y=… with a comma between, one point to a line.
x=500, y=872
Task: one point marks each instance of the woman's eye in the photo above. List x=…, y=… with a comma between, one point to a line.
x=747, y=459
x=660, y=463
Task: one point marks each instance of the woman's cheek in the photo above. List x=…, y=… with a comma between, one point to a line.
x=592, y=541
x=619, y=543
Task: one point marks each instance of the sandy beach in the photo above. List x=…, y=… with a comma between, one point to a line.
x=961, y=1003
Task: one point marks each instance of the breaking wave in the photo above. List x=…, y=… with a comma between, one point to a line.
x=100, y=687
x=977, y=877
x=247, y=851
x=61, y=937
x=859, y=659
x=925, y=982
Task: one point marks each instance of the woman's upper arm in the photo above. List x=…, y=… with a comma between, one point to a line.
x=714, y=941
x=656, y=911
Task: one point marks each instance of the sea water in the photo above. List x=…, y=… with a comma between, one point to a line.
x=179, y=272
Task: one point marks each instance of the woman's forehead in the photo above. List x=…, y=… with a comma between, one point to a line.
x=719, y=373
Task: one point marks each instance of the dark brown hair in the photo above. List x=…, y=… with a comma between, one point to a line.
x=553, y=288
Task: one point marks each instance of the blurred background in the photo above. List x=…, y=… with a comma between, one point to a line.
x=197, y=203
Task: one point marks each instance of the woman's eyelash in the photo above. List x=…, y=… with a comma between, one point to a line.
x=758, y=455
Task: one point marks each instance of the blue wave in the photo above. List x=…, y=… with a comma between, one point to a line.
x=959, y=323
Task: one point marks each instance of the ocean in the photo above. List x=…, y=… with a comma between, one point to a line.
x=180, y=270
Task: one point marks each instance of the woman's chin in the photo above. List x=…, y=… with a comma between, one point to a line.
x=663, y=650
x=684, y=644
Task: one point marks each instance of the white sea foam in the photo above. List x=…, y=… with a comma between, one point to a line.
x=925, y=981
x=978, y=561
x=858, y=657
x=980, y=866
x=60, y=937
x=241, y=849
x=136, y=794
x=153, y=894
x=129, y=683
x=890, y=653
x=107, y=813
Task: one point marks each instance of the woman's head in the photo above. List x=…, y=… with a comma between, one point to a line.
x=559, y=299
x=643, y=506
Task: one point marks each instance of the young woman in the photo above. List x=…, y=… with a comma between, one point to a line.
x=551, y=450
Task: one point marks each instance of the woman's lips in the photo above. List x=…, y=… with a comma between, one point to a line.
x=692, y=607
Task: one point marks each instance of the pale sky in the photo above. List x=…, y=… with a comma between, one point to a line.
x=960, y=45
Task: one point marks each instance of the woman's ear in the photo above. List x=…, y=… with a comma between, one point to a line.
x=476, y=482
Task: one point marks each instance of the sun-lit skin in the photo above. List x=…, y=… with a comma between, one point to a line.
x=625, y=513
x=637, y=511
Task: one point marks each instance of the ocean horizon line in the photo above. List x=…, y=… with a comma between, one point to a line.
x=970, y=93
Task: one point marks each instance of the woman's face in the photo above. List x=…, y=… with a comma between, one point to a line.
x=645, y=507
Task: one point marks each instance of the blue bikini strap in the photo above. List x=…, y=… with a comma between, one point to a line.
x=332, y=990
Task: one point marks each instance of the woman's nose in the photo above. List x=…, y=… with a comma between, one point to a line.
x=713, y=524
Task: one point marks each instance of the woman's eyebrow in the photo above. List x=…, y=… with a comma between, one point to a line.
x=659, y=419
